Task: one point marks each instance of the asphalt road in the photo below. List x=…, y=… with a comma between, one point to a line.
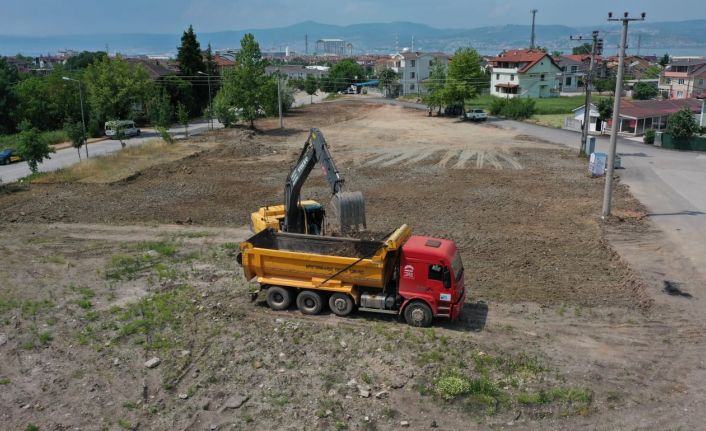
x=69, y=156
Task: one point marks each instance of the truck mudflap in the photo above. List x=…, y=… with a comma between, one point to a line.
x=457, y=308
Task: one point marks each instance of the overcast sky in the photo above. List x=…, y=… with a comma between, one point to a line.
x=48, y=17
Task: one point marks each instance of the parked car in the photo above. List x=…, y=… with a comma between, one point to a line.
x=127, y=126
x=9, y=155
x=476, y=115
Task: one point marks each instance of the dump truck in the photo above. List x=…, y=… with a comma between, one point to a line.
x=308, y=216
x=417, y=277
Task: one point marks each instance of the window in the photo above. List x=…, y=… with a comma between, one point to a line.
x=512, y=77
x=412, y=75
x=411, y=86
x=541, y=77
x=680, y=94
x=431, y=63
x=497, y=76
x=669, y=80
x=413, y=63
x=568, y=81
x=681, y=82
x=436, y=272
x=701, y=82
x=574, y=69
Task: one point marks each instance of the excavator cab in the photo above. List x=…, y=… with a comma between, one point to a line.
x=308, y=216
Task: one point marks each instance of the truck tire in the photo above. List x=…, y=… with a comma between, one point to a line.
x=310, y=302
x=418, y=314
x=279, y=298
x=340, y=304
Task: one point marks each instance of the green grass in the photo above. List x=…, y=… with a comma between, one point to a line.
x=124, y=424
x=161, y=247
x=4, y=381
x=29, y=307
x=547, y=106
x=562, y=395
x=52, y=137
x=125, y=267
x=32, y=427
x=555, y=121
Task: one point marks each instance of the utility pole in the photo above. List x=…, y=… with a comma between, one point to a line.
x=306, y=44
x=533, y=12
x=83, y=117
x=279, y=99
x=210, y=105
x=608, y=191
x=595, y=50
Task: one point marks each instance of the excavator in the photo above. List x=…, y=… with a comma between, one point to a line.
x=309, y=216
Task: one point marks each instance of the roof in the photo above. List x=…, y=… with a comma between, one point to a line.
x=155, y=68
x=506, y=85
x=439, y=248
x=529, y=57
x=222, y=61
x=579, y=58
x=657, y=108
x=687, y=62
x=416, y=54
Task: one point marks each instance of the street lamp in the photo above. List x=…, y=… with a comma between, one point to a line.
x=210, y=106
x=83, y=118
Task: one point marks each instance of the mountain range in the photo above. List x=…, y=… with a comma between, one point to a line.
x=681, y=38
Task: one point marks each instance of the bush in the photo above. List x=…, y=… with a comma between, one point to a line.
x=516, y=108
x=649, y=137
x=166, y=136
x=682, y=125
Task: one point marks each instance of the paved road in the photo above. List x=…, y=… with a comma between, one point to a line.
x=69, y=156
x=301, y=98
x=671, y=184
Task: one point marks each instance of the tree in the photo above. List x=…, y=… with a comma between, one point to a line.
x=343, y=74
x=248, y=79
x=159, y=109
x=652, y=72
x=116, y=88
x=191, y=62
x=585, y=48
x=223, y=108
x=310, y=86
x=183, y=116
x=388, y=79
x=644, y=91
x=210, y=66
x=269, y=100
x=464, y=78
x=84, y=59
x=682, y=125
x=47, y=102
x=664, y=61
x=8, y=99
x=435, y=96
x=604, y=85
x=74, y=131
x=119, y=127
x=32, y=147
x=605, y=108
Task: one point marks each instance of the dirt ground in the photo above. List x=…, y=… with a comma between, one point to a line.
x=559, y=331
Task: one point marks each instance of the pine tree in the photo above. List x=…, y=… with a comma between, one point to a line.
x=209, y=62
x=189, y=54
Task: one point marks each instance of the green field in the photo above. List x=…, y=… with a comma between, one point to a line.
x=52, y=137
x=552, y=105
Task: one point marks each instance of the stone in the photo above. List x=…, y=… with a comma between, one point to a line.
x=116, y=361
x=343, y=344
x=381, y=394
x=152, y=253
x=185, y=353
x=327, y=413
x=282, y=356
x=257, y=364
x=351, y=383
x=3, y=339
x=235, y=402
x=404, y=424
x=153, y=362
x=434, y=424
x=363, y=393
x=183, y=396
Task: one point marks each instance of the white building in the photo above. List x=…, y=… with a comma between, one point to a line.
x=524, y=73
x=414, y=67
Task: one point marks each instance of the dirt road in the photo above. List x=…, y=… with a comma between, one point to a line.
x=558, y=332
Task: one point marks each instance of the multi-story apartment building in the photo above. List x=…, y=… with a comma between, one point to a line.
x=683, y=78
x=333, y=47
x=523, y=73
x=414, y=67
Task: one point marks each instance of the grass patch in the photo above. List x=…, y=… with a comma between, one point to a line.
x=121, y=164
x=161, y=247
x=4, y=381
x=156, y=321
x=333, y=96
x=566, y=396
x=125, y=267
x=29, y=308
x=124, y=424
x=57, y=259
x=231, y=246
x=50, y=137
x=546, y=106
x=555, y=121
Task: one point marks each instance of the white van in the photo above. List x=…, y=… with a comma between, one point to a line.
x=127, y=126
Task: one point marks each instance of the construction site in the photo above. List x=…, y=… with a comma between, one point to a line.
x=129, y=300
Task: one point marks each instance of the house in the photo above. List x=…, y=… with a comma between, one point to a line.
x=523, y=73
x=637, y=116
x=223, y=62
x=574, y=69
x=634, y=66
x=575, y=121
x=156, y=69
x=296, y=71
x=683, y=78
x=414, y=67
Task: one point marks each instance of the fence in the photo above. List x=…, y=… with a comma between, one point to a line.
x=695, y=143
x=571, y=123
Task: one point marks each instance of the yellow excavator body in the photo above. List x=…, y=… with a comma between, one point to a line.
x=271, y=217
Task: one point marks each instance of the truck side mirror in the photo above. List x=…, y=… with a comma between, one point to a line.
x=447, y=278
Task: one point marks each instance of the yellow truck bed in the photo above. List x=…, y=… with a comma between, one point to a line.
x=308, y=261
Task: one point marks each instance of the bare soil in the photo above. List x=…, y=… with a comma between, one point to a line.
x=559, y=332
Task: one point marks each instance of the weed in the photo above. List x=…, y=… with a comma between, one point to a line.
x=433, y=356
x=124, y=424
x=248, y=419
x=365, y=377
x=91, y=316
x=45, y=338
x=390, y=413
x=196, y=234
x=567, y=396
x=161, y=247
x=124, y=267
x=231, y=246
x=84, y=303
x=130, y=406
x=339, y=425
x=57, y=259
x=32, y=427
x=561, y=311
x=4, y=381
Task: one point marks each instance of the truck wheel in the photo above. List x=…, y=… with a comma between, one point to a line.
x=279, y=298
x=418, y=314
x=310, y=302
x=341, y=304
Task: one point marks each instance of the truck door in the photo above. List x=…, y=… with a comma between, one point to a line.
x=435, y=281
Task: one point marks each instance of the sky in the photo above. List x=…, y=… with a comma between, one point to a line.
x=62, y=17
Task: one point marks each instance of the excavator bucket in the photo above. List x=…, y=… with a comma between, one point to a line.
x=349, y=211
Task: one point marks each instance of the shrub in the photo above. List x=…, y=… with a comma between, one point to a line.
x=515, y=108
x=497, y=106
x=166, y=136
x=682, y=125
x=649, y=137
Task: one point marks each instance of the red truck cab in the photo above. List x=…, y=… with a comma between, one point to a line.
x=430, y=274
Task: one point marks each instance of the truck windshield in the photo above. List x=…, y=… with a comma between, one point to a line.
x=457, y=266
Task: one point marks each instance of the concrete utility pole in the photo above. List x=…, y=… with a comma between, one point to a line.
x=608, y=191
x=533, y=12
x=83, y=117
x=279, y=99
x=210, y=105
x=595, y=50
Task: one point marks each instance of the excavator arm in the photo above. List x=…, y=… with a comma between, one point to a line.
x=349, y=207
